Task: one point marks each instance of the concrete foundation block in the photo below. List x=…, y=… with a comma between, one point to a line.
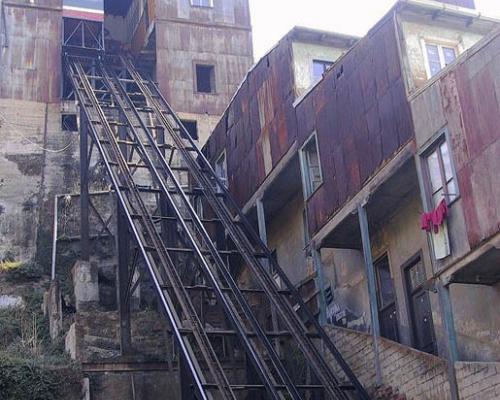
x=70, y=343
x=54, y=309
x=86, y=286
x=85, y=389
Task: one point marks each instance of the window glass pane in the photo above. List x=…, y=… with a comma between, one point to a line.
x=433, y=59
x=452, y=190
x=449, y=54
x=201, y=3
x=385, y=284
x=445, y=154
x=315, y=178
x=417, y=275
x=312, y=167
x=434, y=171
x=319, y=67
x=437, y=197
x=221, y=170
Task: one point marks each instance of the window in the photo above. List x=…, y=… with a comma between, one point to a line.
x=272, y=270
x=221, y=169
x=205, y=78
x=69, y=122
x=441, y=181
x=310, y=166
x=319, y=68
x=192, y=128
x=438, y=57
x=202, y=3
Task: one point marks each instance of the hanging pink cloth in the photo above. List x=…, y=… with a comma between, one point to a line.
x=435, y=218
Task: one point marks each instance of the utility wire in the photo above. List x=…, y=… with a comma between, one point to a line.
x=15, y=126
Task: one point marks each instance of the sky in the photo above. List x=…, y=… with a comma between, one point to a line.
x=272, y=19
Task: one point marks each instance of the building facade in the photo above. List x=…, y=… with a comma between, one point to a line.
x=198, y=51
x=343, y=179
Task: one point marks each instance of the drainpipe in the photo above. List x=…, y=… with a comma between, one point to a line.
x=372, y=291
x=54, y=239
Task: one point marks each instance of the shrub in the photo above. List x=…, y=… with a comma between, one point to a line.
x=29, y=271
x=27, y=379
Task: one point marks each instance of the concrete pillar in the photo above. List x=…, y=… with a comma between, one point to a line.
x=85, y=284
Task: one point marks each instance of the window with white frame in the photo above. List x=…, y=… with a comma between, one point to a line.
x=441, y=180
x=202, y=3
x=312, y=177
x=221, y=169
x=438, y=56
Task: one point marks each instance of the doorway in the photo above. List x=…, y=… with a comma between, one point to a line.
x=419, y=306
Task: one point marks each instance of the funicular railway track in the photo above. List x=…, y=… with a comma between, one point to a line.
x=138, y=137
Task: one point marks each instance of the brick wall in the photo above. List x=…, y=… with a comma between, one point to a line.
x=413, y=373
x=478, y=380
x=417, y=375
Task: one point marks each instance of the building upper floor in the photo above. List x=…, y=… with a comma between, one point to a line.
x=357, y=117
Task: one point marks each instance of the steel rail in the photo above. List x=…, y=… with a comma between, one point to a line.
x=75, y=70
x=257, y=359
x=240, y=239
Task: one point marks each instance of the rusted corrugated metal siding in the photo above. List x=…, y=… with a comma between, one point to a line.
x=362, y=117
x=471, y=99
x=359, y=111
x=30, y=66
x=239, y=132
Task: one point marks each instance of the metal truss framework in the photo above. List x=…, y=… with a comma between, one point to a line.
x=176, y=218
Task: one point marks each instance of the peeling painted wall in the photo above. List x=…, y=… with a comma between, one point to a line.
x=30, y=175
x=285, y=234
x=303, y=56
x=417, y=31
x=37, y=159
x=466, y=101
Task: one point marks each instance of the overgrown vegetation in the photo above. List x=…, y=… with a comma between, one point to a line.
x=32, y=379
x=22, y=272
x=32, y=367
